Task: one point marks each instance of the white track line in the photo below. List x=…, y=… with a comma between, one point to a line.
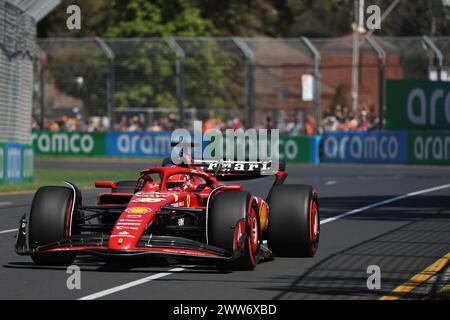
x=378, y=204
x=340, y=216
x=5, y=203
x=130, y=284
x=8, y=231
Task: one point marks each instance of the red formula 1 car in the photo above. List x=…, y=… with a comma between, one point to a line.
x=176, y=212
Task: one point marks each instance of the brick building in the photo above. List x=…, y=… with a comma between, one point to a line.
x=279, y=65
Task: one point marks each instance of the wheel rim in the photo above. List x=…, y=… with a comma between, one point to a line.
x=254, y=231
x=314, y=222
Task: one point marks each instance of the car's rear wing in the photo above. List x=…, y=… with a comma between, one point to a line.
x=239, y=170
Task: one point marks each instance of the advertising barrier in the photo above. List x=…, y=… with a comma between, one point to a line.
x=429, y=147
x=417, y=105
x=145, y=144
x=292, y=149
x=299, y=149
x=68, y=143
x=13, y=162
x=365, y=147
x=402, y=147
x=27, y=163
x=16, y=163
x=148, y=144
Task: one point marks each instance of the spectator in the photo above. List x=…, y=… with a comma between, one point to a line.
x=236, y=124
x=293, y=127
x=310, y=126
x=269, y=123
x=155, y=127
x=135, y=125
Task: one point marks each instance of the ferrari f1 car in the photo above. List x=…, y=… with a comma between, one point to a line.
x=180, y=212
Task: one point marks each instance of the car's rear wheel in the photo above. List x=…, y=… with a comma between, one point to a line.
x=233, y=225
x=125, y=186
x=50, y=222
x=294, y=226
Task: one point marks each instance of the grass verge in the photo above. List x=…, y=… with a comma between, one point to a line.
x=84, y=178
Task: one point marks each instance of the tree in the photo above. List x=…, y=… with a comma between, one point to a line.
x=142, y=18
x=144, y=65
x=245, y=18
x=420, y=17
x=320, y=18
x=96, y=16
x=206, y=67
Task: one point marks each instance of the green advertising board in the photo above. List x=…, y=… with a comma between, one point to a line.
x=295, y=149
x=429, y=147
x=417, y=105
x=2, y=163
x=69, y=143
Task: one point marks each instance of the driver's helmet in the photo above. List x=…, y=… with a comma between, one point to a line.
x=178, y=182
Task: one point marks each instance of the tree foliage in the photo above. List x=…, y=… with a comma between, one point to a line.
x=320, y=18
x=145, y=70
x=279, y=18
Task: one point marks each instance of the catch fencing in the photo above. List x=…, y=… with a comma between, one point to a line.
x=178, y=80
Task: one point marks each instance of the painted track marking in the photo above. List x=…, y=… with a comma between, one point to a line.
x=130, y=284
x=378, y=204
x=418, y=279
x=8, y=231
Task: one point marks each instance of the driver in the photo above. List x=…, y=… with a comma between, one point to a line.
x=178, y=182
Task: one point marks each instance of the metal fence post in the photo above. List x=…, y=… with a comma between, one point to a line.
x=317, y=87
x=179, y=73
x=381, y=78
x=42, y=97
x=250, y=61
x=437, y=53
x=110, y=82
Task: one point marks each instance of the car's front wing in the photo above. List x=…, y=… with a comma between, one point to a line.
x=148, y=245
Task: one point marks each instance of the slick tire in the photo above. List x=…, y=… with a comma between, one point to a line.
x=50, y=219
x=232, y=215
x=294, y=226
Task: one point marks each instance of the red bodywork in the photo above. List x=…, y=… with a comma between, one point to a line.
x=142, y=207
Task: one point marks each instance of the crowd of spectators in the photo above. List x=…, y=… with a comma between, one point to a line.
x=341, y=119
x=70, y=124
x=100, y=124
x=140, y=123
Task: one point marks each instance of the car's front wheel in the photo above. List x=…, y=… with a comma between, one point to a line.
x=50, y=222
x=233, y=225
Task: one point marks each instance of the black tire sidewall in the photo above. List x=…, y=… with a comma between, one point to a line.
x=288, y=232
x=226, y=210
x=50, y=209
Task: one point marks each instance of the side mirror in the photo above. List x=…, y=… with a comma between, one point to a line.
x=105, y=184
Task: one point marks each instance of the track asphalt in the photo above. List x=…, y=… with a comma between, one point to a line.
x=402, y=237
